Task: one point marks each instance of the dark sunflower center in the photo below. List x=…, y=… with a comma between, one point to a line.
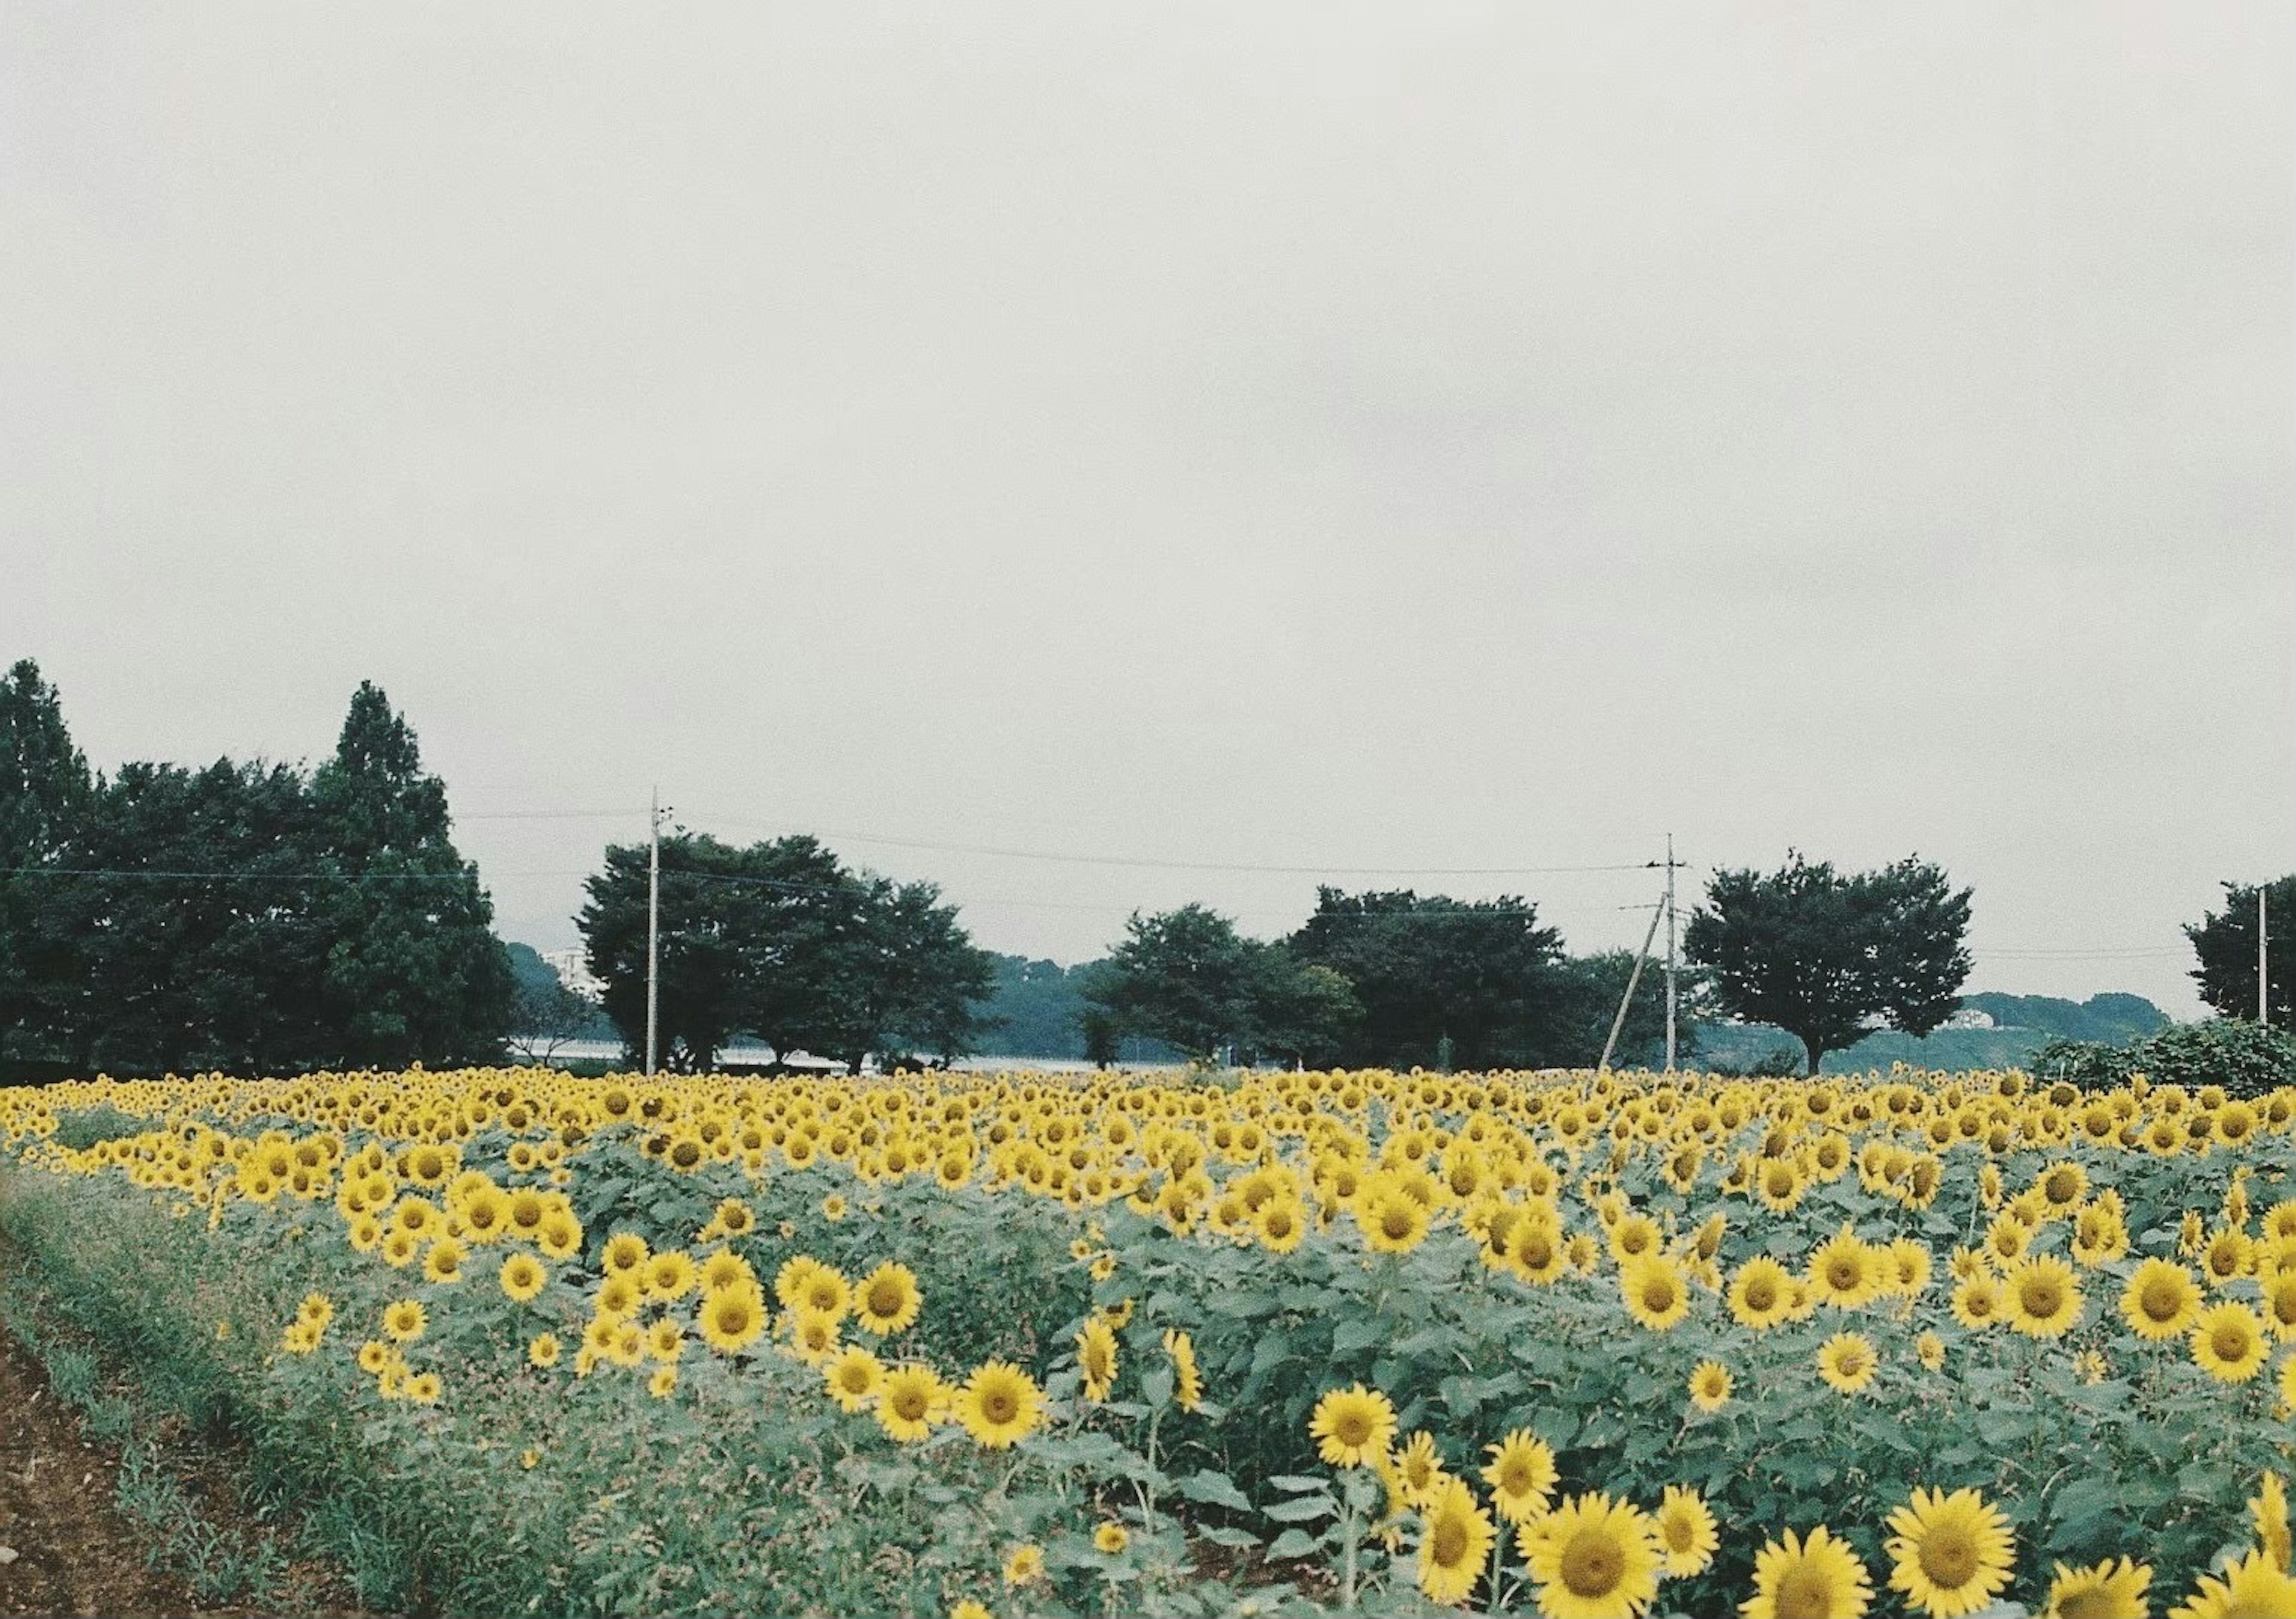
x=1592, y=1564
x=1948, y=1557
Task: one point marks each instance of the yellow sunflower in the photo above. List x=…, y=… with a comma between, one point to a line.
x=1455, y=1541
x=1521, y=1475
x=1951, y=1554
x=2229, y=1343
x=522, y=1277
x=1844, y=1271
x=999, y=1405
x=1760, y=1294
x=732, y=1318
x=1814, y=1578
x=2268, y=1509
x=1024, y=1564
x=2161, y=1301
x=1187, y=1384
x=404, y=1320
x=2250, y=1587
x=853, y=1376
x=910, y=1399
x=1095, y=1348
x=1686, y=1535
x=2044, y=1298
x=1847, y=1362
x=1592, y=1558
x=1710, y=1386
x=888, y=1300
x=542, y=1350
x=1351, y=1425
x=2113, y=1588
x=1394, y=1223
x=1977, y=1301
x=1656, y=1293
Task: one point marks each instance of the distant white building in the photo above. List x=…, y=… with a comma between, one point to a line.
x=1970, y=1017
x=573, y=970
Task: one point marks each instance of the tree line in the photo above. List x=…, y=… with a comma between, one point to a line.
x=268, y=918
x=253, y=916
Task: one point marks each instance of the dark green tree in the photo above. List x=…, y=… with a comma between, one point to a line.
x=189, y=924
x=2224, y=942
x=1595, y=984
x=414, y=972
x=1828, y=957
x=904, y=978
x=781, y=941
x=1483, y=975
x=1182, y=976
x=44, y=789
x=714, y=919
x=1303, y=1012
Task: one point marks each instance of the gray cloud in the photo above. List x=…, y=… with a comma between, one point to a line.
x=1462, y=434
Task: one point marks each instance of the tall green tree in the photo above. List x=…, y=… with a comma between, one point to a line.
x=187, y=923
x=45, y=788
x=906, y=978
x=1480, y=980
x=2224, y=942
x=780, y=941
x=1828, y=957
x=1187, y=978
x=414, y=972
x=1182, y=976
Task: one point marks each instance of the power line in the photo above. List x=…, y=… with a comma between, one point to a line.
x=1147, y=863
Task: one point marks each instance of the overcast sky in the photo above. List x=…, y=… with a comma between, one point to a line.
x=1304, y=435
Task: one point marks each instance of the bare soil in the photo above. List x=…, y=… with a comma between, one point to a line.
x=74, y=1553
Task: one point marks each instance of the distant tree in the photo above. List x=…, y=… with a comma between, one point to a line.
x=414, y=972
x=1303, y=1012
x=1822, y=956
x=2224, y=941
x=1483, y=975
x=1103, y=1035
x=45, y=788
x=1182, y=976
x=546, y=1015
x=781, y=941
x=191, y=934
x=904, y=977
x=716, y=907
x=1596, y=984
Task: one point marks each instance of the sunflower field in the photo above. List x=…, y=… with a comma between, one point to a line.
x=1575, y=1344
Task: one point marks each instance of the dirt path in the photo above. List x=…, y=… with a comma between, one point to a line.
x=73, y=1554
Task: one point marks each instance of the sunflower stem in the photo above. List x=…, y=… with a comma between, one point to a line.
x=1348, y=1566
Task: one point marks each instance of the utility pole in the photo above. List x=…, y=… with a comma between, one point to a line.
x=2263, y=1007
x=653, y=928
x=1669, y=952
x=1634, y=979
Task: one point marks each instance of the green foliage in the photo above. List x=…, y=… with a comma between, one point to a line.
x=2246, y=1058
x=1822, y=955
x=238, y=915
x=44, y=789
x=780, y=940
x=1187, y=979
x=2224, y=942
x=82, y=1128
x=1481, y=974
x=2106, y=1016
